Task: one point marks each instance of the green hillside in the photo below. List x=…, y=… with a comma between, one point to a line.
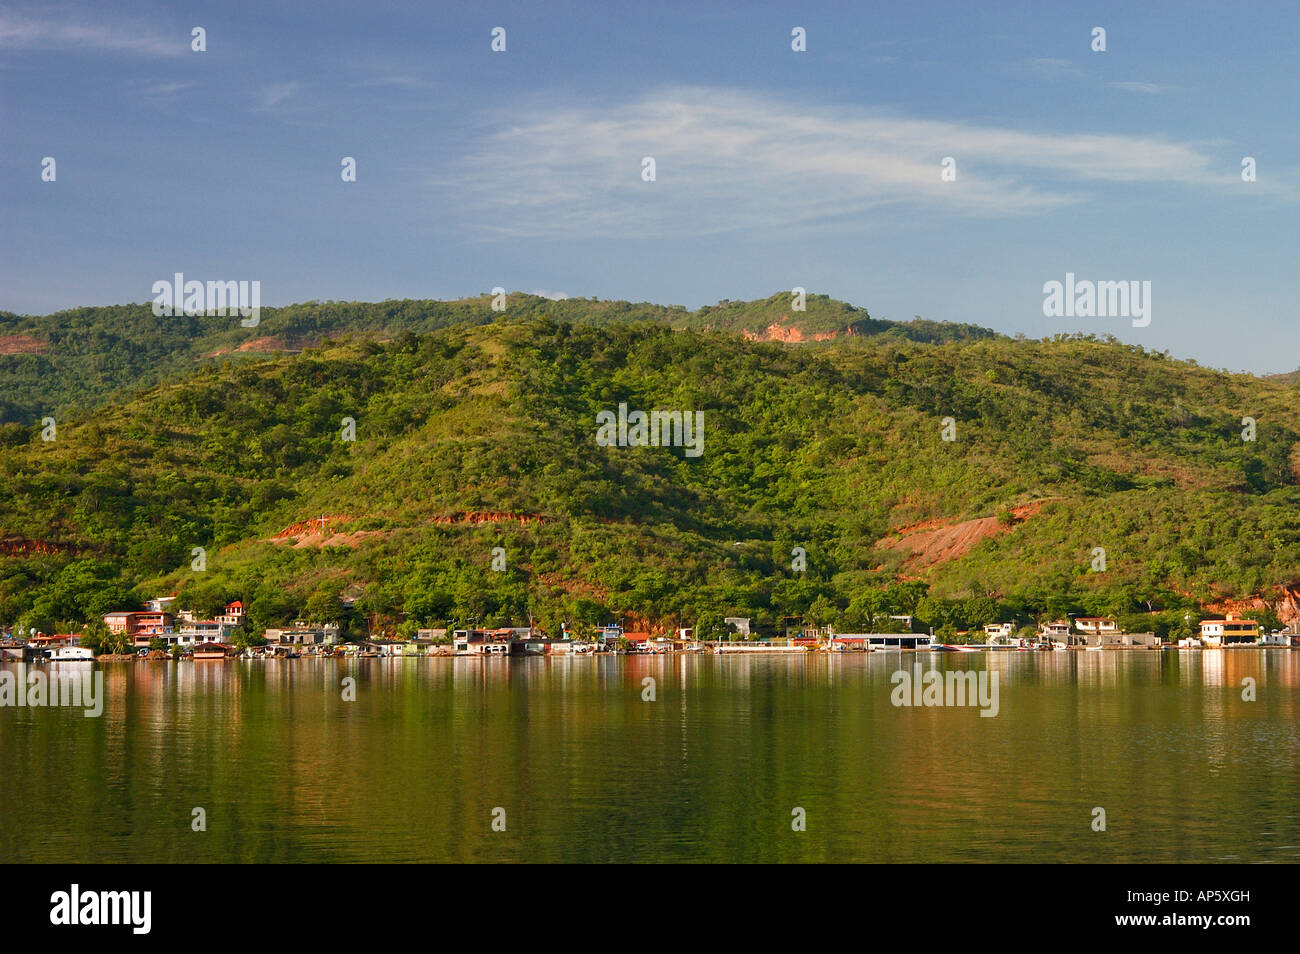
x=71, y=361
x=481, y=434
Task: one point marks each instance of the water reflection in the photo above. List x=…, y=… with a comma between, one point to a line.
x=587, y=770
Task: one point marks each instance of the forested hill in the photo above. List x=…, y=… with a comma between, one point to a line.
x=75, y=360
x=1082, y=476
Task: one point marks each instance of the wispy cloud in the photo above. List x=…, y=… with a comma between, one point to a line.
x=166, y=89
x=1135, y=86
x=1048, y=68
x=731, y=161
x=269, y=97
x=74, y=30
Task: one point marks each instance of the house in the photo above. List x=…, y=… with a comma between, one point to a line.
x=737, y=624
x=436, y=635
x=1055, y=632
x=125, y=622
x=149, y=625
x=609, y=634
x=1096, y=626
x=482, y=642
x=1000, y=630
x=204, y=631
x=1231, y=630
x=638, y=642
x=425, y=646
x=160, y=604
x=545, y=647
x=234, y=614
x=41, y=642
x=15, y=650
x=304, y=634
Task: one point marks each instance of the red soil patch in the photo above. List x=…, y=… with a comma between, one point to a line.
x=776, y=331
x=21, y=344
x=21, y=546
x=489, y=516
x=932, y=542
x=310, y=533
x=306, y=527
x=1286, y=604
x=266, y=344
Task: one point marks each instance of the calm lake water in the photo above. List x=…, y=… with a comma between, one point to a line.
x=710, y=771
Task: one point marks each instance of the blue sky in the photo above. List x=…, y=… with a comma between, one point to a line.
x=773, y=168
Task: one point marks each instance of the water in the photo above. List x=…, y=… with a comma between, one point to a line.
x=712, y=770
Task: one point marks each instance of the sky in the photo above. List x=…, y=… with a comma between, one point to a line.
x=523, y=168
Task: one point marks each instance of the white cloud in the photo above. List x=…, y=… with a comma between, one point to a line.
x=1048, y=68
x=732, y=161
x=1134, y=86
x=70, y=31
x=269, y=97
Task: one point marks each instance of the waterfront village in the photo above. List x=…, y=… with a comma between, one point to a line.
x=161, y=632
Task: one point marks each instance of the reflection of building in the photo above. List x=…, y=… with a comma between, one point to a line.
x=1228, y=631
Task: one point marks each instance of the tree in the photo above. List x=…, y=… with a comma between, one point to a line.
x=324, y=605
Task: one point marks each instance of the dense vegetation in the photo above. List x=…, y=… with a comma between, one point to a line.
x=75, y=360
x=835, y=447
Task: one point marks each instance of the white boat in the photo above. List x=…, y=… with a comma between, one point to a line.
x=72, y=654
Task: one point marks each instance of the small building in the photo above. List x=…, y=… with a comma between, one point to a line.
x=1231, y=630
x=234, y=614
x=1000, y=630
x=737, y=624
x=42, y=643
x=638, y=642
x=483, y=642
x=150, y=625
x=1096, y=626
x=304, y=634
x=1056, y=632
x=204, y=631
x=15, y=650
